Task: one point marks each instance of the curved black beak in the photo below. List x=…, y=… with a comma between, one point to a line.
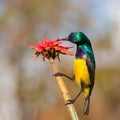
x=64, y=39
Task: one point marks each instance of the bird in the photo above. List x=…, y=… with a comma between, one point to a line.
x=84, y=67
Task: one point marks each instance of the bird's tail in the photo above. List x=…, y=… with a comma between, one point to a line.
x=87, y=105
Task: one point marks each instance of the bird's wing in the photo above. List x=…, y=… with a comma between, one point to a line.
x=91, y=69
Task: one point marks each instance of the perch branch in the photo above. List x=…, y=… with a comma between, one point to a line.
x=64, y=91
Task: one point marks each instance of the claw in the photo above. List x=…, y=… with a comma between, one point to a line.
x=69, y=102
x=58, y=74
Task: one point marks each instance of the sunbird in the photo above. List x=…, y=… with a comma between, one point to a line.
x=84, y=67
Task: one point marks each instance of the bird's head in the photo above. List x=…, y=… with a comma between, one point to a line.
x=78, y=38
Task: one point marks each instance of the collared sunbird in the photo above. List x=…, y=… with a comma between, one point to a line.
x=84, y=67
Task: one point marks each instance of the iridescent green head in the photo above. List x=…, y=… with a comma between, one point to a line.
x=78, y=38
x=83, y=45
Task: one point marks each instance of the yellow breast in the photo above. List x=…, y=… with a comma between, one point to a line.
x=81, y=71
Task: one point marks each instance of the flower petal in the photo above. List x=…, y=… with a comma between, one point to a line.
x=50, y=48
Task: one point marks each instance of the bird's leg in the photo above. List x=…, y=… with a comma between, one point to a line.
x=62, y=74
x=86, y=105
x=73, y=100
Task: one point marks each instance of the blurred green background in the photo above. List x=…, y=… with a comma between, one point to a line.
x=27, y=89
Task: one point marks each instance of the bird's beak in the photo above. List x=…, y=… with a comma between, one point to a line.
x=64, y=39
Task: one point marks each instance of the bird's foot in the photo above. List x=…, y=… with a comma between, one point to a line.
x=71, y=101
x=58, y=74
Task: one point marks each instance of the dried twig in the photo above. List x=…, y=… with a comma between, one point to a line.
x=64, y=91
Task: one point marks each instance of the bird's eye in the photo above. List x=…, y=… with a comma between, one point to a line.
x=71, y=36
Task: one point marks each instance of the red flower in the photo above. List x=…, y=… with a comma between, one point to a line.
x=50, y=48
